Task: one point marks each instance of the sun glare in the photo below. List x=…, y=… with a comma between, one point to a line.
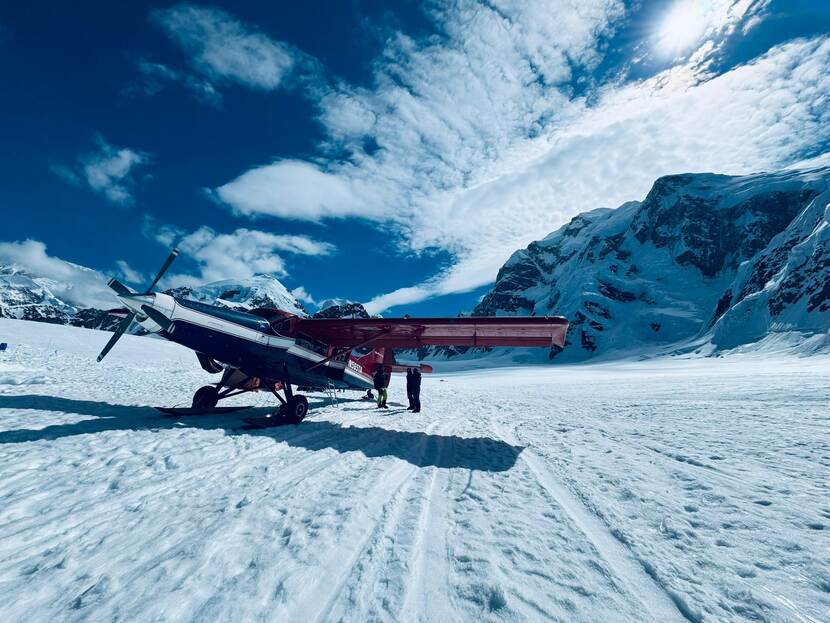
x=682, y=27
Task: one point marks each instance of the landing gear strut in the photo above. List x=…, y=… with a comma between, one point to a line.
x=294, y=407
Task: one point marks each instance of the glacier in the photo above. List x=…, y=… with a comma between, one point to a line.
x=704, y=263
x=673, y=489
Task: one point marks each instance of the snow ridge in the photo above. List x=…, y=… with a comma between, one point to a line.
x=706, y=262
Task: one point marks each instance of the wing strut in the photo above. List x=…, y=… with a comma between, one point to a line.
x=343, y=351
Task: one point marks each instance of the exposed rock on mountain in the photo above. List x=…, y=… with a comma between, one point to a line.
x=246, y=294
x=704, y=259
x=29, y=297
x=341, y=309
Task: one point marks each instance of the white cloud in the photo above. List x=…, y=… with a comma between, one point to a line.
x=128, y=273
x=302, y=295
x=298, y=190
x=401, y=296
x=759, y=116
x=480, y=145
x=109, y=171
x=165, y=235
x=70, y=282
x=241, y=254
x=686, y=23
x=223, y=48
x=156, y=76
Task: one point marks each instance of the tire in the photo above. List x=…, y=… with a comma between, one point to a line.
x=205, y=397
x=296, y=409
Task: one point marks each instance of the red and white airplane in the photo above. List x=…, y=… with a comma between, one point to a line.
x=269, y=349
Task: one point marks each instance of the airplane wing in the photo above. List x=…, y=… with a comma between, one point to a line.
x=408, y=332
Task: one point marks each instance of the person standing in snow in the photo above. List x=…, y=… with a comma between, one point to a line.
x=409, y=389
x=381, y=380
x=415, y=393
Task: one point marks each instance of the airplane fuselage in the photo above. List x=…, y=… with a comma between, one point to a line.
x=246, y=342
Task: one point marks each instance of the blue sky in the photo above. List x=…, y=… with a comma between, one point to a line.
x=390, y=153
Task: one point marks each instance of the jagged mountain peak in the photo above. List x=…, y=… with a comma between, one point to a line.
x=260, y=290
x=704, y=257
x=341, y=308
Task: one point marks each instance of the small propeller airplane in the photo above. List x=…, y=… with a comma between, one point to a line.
x=270, y=349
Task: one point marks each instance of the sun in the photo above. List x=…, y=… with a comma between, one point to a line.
x=682, y=27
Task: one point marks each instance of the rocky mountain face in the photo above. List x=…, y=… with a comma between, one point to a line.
x=28, y=297
x=341, y=309
x=245, y=294
x=707, y=261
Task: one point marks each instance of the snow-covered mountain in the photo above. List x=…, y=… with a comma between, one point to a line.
x=26, y=296
x=706, y=261
x=340, y=308
x=257, y=291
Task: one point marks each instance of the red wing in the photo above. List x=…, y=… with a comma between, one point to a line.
x=415, y=332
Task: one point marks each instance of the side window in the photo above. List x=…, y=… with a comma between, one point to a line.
x=308, y=343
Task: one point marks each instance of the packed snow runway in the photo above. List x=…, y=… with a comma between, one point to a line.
x=657, y=491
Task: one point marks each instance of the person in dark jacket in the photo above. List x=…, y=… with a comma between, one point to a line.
x=409, y=389
x=381, y=381
x=415, y=393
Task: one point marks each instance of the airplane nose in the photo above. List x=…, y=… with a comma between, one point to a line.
x=135, y=301
x=149, y=308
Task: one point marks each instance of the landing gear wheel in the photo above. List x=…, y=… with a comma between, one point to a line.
x=205, y=397
x=295, y=409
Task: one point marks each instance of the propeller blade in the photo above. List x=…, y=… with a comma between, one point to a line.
x=157, y=317
x=119, y=287
x=125, y=324
x=163, y=269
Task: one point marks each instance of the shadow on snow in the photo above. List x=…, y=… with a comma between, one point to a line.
x=418, y=448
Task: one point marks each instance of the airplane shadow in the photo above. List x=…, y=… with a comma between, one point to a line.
x=418, y=448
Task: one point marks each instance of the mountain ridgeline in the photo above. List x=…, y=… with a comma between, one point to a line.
x=28, y=297
x=705, y=261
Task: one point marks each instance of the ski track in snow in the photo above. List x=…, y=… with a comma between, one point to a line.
x=672, y=490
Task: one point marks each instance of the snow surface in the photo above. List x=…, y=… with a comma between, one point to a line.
x=669, y=490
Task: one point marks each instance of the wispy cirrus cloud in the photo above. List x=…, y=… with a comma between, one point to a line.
x=487, y=134
x=109, y=171
x=294, y=189
x=302, y=295
x=72, y=283
x=154, y=77
x=240, y=254
x=222, y=49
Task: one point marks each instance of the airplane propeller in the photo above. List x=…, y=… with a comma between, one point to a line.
x=123, y=290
